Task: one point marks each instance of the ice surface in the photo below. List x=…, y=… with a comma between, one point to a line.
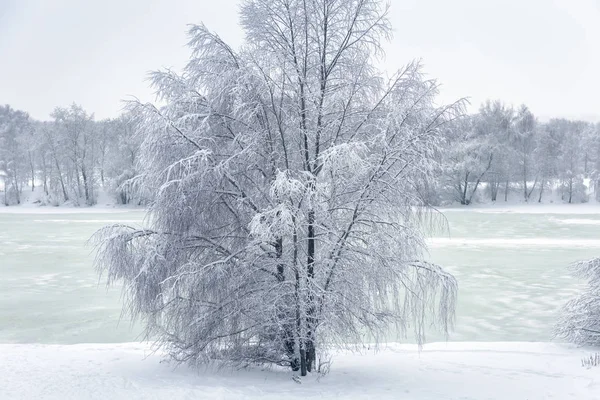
x=49, y=291
x=511, y=269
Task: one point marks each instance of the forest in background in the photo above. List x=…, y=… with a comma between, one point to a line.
x=70, y=159
x=500, y=153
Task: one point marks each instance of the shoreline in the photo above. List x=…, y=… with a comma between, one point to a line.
x=501, y=207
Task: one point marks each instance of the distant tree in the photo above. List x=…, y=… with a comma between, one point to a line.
x=119, y=156
x=54, y=161
x=75, y=127
x=286, y=214
x=467, y=160
x=494, y=123
x=570, y=157
x=546, y=156
x=592, y=167
x=14, y=126
x=524, y=144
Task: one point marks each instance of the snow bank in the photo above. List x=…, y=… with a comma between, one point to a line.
x=511, y=371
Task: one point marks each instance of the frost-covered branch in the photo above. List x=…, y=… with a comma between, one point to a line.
x=286, y=175
x=580, y=319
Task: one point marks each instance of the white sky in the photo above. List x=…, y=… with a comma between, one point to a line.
x=544, y=53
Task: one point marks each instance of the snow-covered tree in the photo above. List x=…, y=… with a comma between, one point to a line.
x=546, y=155
x=75, y=128
x=494, y=124
x=580, y=320
x=54, y=163
x=118, y=153
x=286, y=218
x=570, y=158
x=15, y=125
x=467, y=160
x=524, y=144
x=592, y=165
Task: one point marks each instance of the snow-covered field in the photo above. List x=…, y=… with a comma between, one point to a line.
x=477, y=371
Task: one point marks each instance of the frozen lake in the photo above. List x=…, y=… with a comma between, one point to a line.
x=511, y=269
x=49, y=291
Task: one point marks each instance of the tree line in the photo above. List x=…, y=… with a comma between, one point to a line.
x=69, y=159
x=498, y=153
x=502, y=150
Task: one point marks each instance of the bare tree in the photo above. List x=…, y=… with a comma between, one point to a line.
x=14, y=126
x=286, y=216
x=75, y=127
x=524, y=144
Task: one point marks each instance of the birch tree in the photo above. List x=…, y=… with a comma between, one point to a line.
x=286, y=219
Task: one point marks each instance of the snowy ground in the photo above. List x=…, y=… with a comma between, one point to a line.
x=478, y=371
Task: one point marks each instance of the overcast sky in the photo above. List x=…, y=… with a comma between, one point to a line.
x=544, y=53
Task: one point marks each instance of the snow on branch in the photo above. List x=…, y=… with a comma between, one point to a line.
x=580, y=319
x=287, y=199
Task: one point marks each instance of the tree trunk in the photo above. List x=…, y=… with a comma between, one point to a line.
x=494, y=186
x=288, y=335
x=85, y=186
x=506, y=191
x=310, y=262
x=541, y=191
x=525, y=192
x=62, y=182
x=303, y=366
x=310, y=355
x=570, y=189
x=31, y=165
x=464, y=193
x=44, y=174
x=102, y=163
x=299, y=347
x=5, y=192
x=17, y=191
x=481, y=176
x=45, y=178
x=528, y=195
x=78, y=180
